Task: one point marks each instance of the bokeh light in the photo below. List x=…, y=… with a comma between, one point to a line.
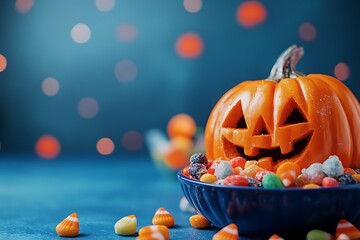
x=50, y=86
x=132, y=140
x=251, y=13
x=3, y=63
x=47, y=147
x=307, y=32
x=342, y=71
x=189, y=45
x=105, y=146
x=193, y=6
x=181, y=125
x=80, y=33
x=88, y=107
x=24, y=6
x=125, y=71
x=104, y=5
x=126, y=32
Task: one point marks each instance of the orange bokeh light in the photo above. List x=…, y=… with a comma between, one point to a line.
x=342, y=71
x=189, y=45
x=251, y=13
x=105, y=146
x=181, y=125
x=47, y=147
x=3, y=63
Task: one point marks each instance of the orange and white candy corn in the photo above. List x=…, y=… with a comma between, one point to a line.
x=345, y=227
x=126, y=226
x=150, y=230
x=163, y=217
x=288, y=172
x=199, y=221
x=229, y=232
x=275, y=237
x=343, y=237
x=152, y=236
x=69, y=227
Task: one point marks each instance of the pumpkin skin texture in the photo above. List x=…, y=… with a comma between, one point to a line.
x=303, y=119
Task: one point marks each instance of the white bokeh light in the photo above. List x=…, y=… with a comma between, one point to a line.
x=88, y=107
x=50, y=86
x=126, y=32
x=80, y=33
x=104, y=5
x=125, y=71
x=193, y=6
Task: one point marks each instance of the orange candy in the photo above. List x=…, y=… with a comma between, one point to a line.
x=199, y=221
x=163, y=217
x=149, y=231
x=345, y=227
x=176, y=158
x=288, y=172
x=275, y=237
x=229, y=232
x=266, y=163
x=251, y=170
x=69, y=227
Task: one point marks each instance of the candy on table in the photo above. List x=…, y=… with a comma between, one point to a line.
x=288, y=172
x=343, y=237
x=346, y=179
x=271, y=180
x=329, y=182
x=198, y=158
x=333, y=167
x=252, y=170
x=126, y=226
x=199, y=221
x=276, y=237
x=313, y=174
x=163, y=217
x=196, y=170
x=317, y=234
x=208, y=177
x=149, y=230
x=223, y=169
x=345, y=227
x=152, y=236
x=185, y=206
x=236, y=180
x=69, y=227
x=229, y=232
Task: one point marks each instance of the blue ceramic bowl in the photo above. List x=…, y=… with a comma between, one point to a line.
x=260, y=213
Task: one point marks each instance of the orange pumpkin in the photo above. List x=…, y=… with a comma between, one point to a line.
x=288, y=116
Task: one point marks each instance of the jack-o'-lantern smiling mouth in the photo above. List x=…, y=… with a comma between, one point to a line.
x=275, y=153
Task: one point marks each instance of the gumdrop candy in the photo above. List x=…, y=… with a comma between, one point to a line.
x=333, y=167
x=317, y=234
x=198, y=158
x=313, y=174
x=196, y=170
x=223, y=169
x=271, y=180
x=236, y=180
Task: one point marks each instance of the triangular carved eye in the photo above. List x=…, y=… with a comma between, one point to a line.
x=295, y=117
x=241, y=123
x=264, y=132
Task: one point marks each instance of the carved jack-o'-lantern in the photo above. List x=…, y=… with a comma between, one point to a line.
x=288, y=116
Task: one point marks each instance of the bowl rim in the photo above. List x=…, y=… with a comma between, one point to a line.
x=184, y=178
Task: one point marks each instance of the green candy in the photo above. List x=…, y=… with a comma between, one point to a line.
x=317, y=234
x=271, y=180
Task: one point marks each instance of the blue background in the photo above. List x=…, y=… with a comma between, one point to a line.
x=38, y=45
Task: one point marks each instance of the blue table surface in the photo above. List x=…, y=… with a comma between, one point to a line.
x=35, y=195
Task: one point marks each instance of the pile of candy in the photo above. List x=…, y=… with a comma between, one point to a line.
x=240, y=172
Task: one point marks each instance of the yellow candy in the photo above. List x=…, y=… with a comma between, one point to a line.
x=311, y=185
x=249, y=163
x=126, y=225
x=357, y=177
x=208, y=177
x=251, y=170
x=199, y=221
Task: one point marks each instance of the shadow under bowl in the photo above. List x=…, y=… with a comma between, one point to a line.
x=260, y=213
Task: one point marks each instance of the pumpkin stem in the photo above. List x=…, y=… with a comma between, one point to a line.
x=286, y=63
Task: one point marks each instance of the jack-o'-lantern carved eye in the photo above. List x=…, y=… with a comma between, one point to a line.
x=295, y=117
x=241, y=123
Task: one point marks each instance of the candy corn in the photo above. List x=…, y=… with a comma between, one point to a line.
x=69, y=227
x=275, y=237
x=163, y=217
x=229, y=232
x=345, y=227
x=150, y=230
x=126, y=225
x=199, y=221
